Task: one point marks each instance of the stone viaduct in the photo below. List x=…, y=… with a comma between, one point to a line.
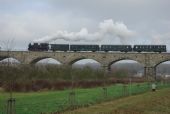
x=148, y=60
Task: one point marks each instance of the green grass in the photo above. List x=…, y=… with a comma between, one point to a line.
x=53, y=101
x=148, y=103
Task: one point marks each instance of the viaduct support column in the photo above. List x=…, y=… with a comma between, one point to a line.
x=105, y=68
x=150, y=73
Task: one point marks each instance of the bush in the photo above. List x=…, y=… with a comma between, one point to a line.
x=36, y=78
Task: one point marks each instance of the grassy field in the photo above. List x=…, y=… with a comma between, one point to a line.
x=53, y=101
x=148, y=103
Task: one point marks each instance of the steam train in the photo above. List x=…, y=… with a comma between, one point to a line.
x=94, y=48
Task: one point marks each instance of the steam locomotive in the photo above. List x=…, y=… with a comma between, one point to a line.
x=94, y=48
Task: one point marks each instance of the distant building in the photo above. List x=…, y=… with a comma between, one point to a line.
x=167, y=76
x=139, y=74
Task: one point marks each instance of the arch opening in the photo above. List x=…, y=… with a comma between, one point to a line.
x=162, y=70
x=126, y=68
x=83, y=62
x=46, y=61
x=9, y=61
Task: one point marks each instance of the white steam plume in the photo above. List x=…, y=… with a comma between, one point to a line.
x=108, y=27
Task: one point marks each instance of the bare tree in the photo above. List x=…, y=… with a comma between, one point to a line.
x=10, y=80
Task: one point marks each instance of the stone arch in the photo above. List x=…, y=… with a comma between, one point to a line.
x=81, y=58
x=139, y=70
x=35, y=60
x=156, y=67
x=6, y=57
x=114, y=61
x=162, y=61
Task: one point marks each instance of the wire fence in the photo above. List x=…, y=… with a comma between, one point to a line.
x=54, y=102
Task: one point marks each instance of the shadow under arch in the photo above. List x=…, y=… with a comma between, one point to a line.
x=34, y=61
x=3, y=57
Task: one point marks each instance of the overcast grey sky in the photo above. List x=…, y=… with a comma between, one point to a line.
x=25, y=21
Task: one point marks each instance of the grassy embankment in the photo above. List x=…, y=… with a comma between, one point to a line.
x=52, y=101
x=148, y=103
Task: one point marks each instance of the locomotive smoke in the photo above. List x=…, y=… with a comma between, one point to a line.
x=106, y=28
